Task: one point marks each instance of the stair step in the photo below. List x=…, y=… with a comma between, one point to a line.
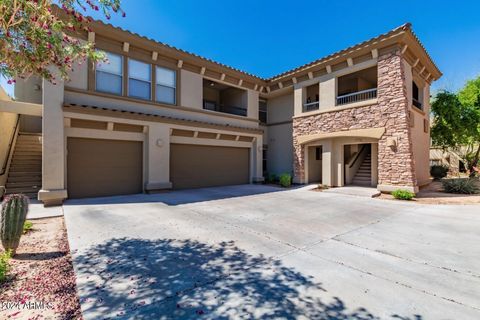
x=24, y=174
x=22, y=190
x=36, y=170
x=28, y=148
x=24, y=157
x=32, y=184
x=362, y=178
x=28, y=162
x=32, y=181
x=366, y=175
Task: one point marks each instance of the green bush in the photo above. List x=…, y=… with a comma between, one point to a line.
x=27, y=226
x=461, y=185
x=285, y=180
x=4, y=258
x=438, y=171
x=403, y=194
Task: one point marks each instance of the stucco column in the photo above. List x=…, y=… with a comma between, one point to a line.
x=338, y=164
x=327, y=163
x=252, y=104
x=158, y=158
x=53, y=190
x=298, y=94
x=257, y=160
x=328, y=93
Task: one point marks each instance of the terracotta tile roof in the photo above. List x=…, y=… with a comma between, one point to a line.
x=407, y=27
x=155, y=117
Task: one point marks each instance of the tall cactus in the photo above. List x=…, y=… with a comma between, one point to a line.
x=14, y=213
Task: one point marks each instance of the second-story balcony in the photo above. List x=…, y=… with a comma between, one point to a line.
x=357, y=96
x=356, y=87
x=220, y=97
x=311, y=106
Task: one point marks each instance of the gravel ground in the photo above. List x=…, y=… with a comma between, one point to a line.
x=434, y=194
x=41, y=282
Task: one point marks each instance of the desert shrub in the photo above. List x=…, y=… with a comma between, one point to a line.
x=403, y=194
x=461, y=185
x=4, y=258
x=285, y=180
x=27, y=226
x=438, y=171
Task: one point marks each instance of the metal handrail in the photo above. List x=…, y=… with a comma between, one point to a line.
x=10, y=145
x=357, y=155
x=315, y=104
x=357, y=96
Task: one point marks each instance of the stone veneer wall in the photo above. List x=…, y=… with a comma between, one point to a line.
x=395, y=167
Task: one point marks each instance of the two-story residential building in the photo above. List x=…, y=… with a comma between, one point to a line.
x=156, y=117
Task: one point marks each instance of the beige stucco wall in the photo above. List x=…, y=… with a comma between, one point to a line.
x=28, y=90
x=7, y=129
x=280, y=131
x=78, y=76
x=420, y=138
x=191, y=89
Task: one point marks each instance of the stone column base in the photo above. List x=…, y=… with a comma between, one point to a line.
x=155, y=187
x=52, y=197
x=386, y=188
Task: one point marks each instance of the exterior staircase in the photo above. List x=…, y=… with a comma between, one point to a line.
x=25, y=174
x=364, y=173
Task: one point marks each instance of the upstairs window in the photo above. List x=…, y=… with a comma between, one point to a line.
x=139, y=79
x=166, y=80
x=262, y=111
x=109, y=75
x=416, y=98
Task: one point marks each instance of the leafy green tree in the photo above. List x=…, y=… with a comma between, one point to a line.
x=456, y=124
x=34, y=35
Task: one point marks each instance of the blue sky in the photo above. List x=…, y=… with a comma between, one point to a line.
x=269, y=37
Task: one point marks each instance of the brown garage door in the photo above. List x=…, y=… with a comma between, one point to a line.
x=194, y=166
x=103, y=167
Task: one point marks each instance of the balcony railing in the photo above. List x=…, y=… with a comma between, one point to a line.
x=311, y=106
x=357, y=96
x=208, y=105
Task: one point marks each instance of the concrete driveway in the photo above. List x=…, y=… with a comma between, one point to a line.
x=262, y=252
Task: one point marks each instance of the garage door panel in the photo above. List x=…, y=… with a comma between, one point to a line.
x=103, y=167
x=196, y=166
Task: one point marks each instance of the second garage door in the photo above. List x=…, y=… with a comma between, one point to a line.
x=196, y=166
x=98, y=168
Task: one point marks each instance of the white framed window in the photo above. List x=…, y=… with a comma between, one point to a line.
x=166, y=85
x=139, y=79
x=109, y=75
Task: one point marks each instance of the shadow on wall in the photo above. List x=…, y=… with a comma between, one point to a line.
x=179, y=197
x=153, y=279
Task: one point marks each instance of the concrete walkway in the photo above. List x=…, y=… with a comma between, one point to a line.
x=256, y=252
x=36, y=210
x=355, y=191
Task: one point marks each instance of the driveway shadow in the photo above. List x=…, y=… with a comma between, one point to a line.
x=164, y=279
x=179, y=197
